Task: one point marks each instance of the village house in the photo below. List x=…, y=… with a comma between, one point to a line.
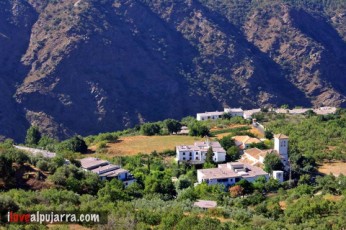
x=218, y=114
x=196, y=154
x=234, y=112
x=209, y=116
x=244, y=142
x=248, y=113
x=230, y=173
x=255, y=156
x=105, y=170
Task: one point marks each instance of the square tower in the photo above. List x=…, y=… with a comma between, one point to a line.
x=281, y=146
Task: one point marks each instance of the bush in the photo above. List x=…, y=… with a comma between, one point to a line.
x=42, y=165
x=150, y=129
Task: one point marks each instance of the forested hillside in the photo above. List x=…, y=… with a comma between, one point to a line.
x=86, y=66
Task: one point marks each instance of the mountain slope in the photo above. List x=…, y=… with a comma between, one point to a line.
x=88, y=66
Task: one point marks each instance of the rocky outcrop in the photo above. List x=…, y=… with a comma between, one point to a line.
x=89, y=66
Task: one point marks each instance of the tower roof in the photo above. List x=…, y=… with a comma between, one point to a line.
x=280, y=136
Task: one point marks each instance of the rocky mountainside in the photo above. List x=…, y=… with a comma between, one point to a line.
x=88, y=66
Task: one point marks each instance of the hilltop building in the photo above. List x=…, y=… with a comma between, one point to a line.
x=105, y=170
x=196, y=154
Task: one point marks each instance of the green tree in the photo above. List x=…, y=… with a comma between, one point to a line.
x=198, y=129
x=172, y=125
x=150, y=129
x=209, y=155
x=268, y=134
x=233, y=153
x=246, y=185
x=6, y=170
x=7, y=204
x=74, y=144
x=46, y=141
x=33, y=136
x=226, y=142
x=272, y=162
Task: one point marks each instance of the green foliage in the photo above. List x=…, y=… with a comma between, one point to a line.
x=233, y=153
x=272, y=162
x=226, y=142
x=76, y=179
x=198, y=129
x=173, y=126
x=46, y=142
x=6, y=204
x=312, y=137
x=209, y=155
x=74, y=144
x=33, y=136
x=150, y=129
x=306, y=208
x=268, y=134
x=246, y=185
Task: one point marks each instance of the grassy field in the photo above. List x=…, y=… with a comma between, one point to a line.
x=133, y=145
x=147, y=144
x=336, y=168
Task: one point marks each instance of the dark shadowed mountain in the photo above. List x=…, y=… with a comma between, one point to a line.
x=89, y=66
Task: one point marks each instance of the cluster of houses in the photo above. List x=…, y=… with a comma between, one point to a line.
x=247, y=114
x=106, y=170
x=249, y=167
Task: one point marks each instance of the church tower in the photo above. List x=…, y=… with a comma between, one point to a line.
x=281, y=146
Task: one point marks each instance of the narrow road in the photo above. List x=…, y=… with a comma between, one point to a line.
x=36, y=152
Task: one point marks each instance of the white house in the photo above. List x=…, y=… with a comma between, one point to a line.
x=218, y=114
x=209, y=116
x=248, y=113
x=230, y=173
x=234, y=112
x=105, y=170
x=196, y=153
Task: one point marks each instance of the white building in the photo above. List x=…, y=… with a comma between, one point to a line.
x=230, y=173
x=209, y=116
x=278, y=175
x=234, y=112
x=218, y=114
x=248, y=113
x=197, y=153
x=281, y=147
x=105, y=170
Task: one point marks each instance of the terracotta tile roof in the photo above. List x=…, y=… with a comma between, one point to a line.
x=246, y=139
x=281, y=136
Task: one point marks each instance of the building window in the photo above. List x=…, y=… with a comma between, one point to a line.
x=190, y=153
x=183, y=153
x=183, y=158
x=197, y=158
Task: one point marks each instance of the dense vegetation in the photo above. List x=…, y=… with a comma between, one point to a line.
x=157, y=201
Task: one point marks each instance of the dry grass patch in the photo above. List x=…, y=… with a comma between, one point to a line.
x=145, y=144
x=336, y=168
